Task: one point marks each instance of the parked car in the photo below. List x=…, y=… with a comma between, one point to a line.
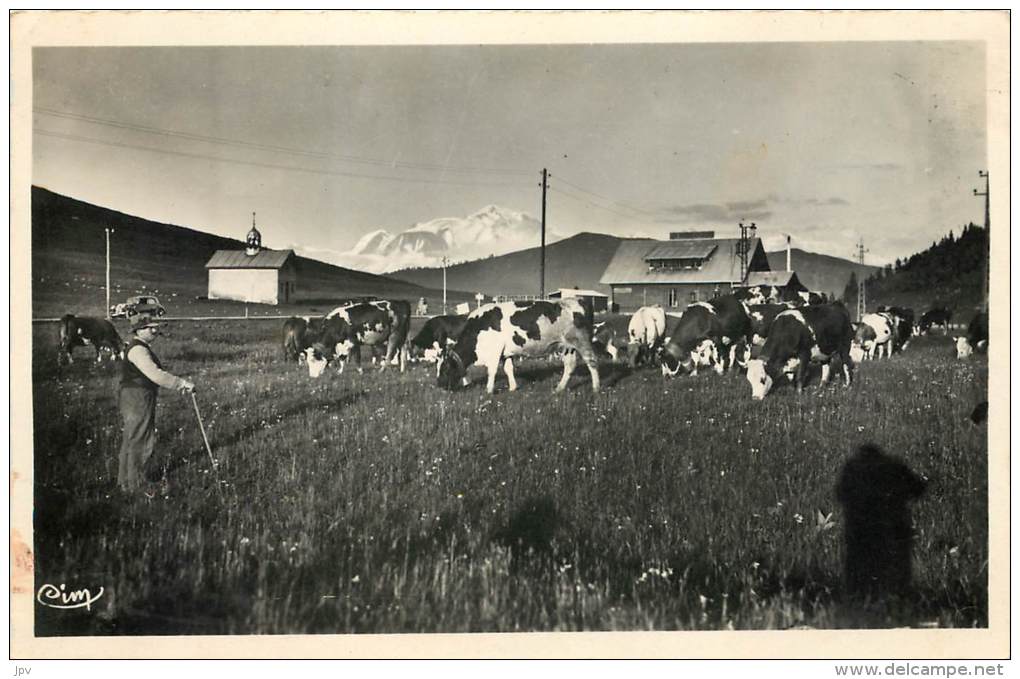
x=142, y=304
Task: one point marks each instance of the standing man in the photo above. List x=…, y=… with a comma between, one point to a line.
x=141, y=377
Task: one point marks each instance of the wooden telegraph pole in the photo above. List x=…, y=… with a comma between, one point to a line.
x=541, y=283
x=108, y=232
x=986, y=265
x=444, y=285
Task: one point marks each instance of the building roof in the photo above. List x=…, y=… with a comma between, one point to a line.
x=574, y=292
x=682, y=249
x=781, y=279
x=629, y=265
x=238, y=259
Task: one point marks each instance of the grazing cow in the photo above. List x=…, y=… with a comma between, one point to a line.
x=935, y=316
x=708, y=334
x=875, y=335
x=977, y=336
x=497, y=333
x=645, y=333
x=438, y=332
x=816, y=333
x=347, y=328
x=80, y=331
x=903, y=322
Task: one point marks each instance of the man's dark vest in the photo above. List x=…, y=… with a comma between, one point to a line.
x=130, y=376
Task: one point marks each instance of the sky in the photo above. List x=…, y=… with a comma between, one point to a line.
x=827, y=142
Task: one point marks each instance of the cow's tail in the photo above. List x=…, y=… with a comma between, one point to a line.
x=589, y=314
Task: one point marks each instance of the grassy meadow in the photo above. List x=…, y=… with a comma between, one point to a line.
x=377, y=503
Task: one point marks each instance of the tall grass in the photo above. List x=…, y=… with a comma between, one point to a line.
x=375, y=502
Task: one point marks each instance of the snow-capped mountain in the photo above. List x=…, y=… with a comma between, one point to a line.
x=492, y=230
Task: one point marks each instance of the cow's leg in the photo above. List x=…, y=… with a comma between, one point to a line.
x=733, y=357
x=825, y=373
x=587, y=353
x=490, y=384
x=569, y=363
x=802, y=371
x=847, y=369
x=508, y=368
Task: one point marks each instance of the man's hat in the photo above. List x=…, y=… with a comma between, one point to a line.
x=139, y=321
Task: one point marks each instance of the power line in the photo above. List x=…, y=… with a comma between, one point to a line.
x=588, y=202
x=605, y=198
x=276, y=166
x=275, y=148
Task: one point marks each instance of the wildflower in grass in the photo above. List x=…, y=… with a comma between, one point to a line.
x=356, y=578
x=798, y=518
x=823, y=522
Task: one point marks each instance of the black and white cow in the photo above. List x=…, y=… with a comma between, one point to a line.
x=80, y=331
x=760, y=294
x=903, y=322
x=347, y=328
x=874, y=335
x=497, y=333
x=438, y=332
x=645, y=334
x=817, y=333
x=761, y=317
x=607, y=342
x=708, y=334
x=977, y=336
x=809, y=297
x=935, y=316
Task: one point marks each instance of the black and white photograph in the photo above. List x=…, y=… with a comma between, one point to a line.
x=391, y=326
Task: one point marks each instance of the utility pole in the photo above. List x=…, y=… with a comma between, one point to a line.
x=444, y=285
x=862, y=306
x=747, y=232
x=541, y=283
x=986, y=265
x=108, y=232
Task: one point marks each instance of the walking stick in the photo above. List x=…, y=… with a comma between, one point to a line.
x=205, y=438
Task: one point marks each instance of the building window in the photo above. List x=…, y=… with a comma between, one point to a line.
x=674, y=298
x=693, y=297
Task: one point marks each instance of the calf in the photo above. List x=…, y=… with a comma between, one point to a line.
x=977, y=336
x=645, y=333
x=496, y=333
x=347, y=328
x=438, y=332
x=708, y=334
x=935, y=316
x=816, y=333
x=80, y=331
x=874, y=335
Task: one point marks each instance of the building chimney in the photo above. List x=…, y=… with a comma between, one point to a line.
x=788, y=253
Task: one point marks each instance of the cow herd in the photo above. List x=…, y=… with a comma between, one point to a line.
x=755, y=330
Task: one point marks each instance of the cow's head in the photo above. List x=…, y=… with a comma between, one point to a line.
x=758, y=377
x=316, y=358
x=856, y=352
x=452, y=371
x=963, y=347
x=671, y=361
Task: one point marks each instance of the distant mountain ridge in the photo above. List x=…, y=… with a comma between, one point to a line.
x=69, y=250
x=580, y=260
